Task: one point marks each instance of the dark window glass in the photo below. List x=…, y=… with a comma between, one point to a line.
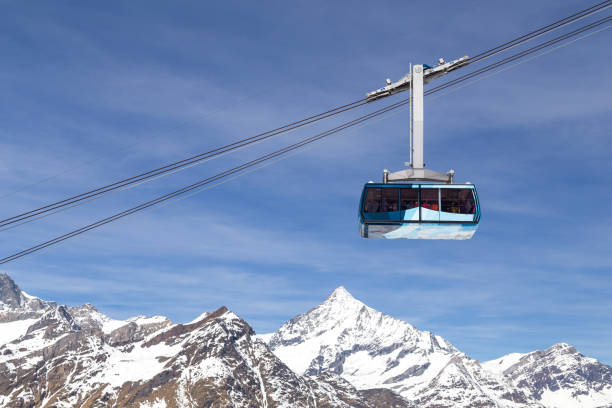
x=458, y=200
x=372, y=203
x=390, y=197
x=429, y=198
x=409, y=198
x=381, y=200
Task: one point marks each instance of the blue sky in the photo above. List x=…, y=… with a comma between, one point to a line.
x=91, y=93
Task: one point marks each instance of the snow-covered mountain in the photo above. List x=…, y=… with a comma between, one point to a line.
x=16, y=305
x=372, y=350
x=558, y=377
x=53, y=356
x=339, y=354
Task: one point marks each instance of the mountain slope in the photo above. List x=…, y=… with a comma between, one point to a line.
x=558, y=377
x=16, y=305
x=341, y=353
x=78, y=357
x=372, y=350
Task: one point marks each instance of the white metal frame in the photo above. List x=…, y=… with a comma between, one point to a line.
x=414, y=81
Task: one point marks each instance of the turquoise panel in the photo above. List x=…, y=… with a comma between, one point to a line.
x=393, y=215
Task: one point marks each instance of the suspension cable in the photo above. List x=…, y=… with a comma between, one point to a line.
x=182, y=164
x=520, y=54
x=202, y=157
x=541, y=31
x=286, y=149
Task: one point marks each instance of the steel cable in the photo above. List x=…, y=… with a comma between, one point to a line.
x=182, y=164
x=289, y=148
x=202, y=157
x=541, y=31
x=521, y=54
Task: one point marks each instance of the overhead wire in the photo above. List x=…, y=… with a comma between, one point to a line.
x=560, y=23
x=262, y=159
x=182, y=164
x=540, y=31
x=523, y=53
x=278, y=159
x=198, y=184
x=173, y=129
x=202, y=157
x=548, y=51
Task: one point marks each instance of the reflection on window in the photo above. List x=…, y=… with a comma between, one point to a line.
x=409, y=198
x=429, y=198
x=458, y=200
x=381, y=200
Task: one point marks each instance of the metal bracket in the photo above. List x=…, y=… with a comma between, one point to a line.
x=429, y=74
x=418, y=175
x=414, y=81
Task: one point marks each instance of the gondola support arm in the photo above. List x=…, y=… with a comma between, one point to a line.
x=414, y=81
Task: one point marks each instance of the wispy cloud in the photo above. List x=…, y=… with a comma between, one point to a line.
x=83, y=84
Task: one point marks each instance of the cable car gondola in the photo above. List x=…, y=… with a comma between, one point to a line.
x=418, y=203
x=418, y=211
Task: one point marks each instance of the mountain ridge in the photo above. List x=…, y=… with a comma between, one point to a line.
x=344, y=336
x=63, y=360
x=340, y=353
x=373, y=350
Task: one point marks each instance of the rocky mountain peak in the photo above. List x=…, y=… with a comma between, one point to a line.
x=341, y=294
x=341, y=298
x=15, y=304
x=559, y=373
x=339, y=354
x=340, y=310
x=10, y=294
x=216, y=361
x=340, y=307
x=344, y=336
x=563, y=348
x=88, y=306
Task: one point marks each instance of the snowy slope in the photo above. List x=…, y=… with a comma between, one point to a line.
x=499, y=365
x=214, y=362
x=10, y=331
x=371, y=350
x=16, y=305
x=558, y=377
x=341, y=353
x=78, y=357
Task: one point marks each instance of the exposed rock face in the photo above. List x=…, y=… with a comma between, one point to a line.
x=136, y=330
x=116, y=332
x=339, y=354
x=18, y=305
x=557, y=374
x=10, y=294
x=78, y=357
